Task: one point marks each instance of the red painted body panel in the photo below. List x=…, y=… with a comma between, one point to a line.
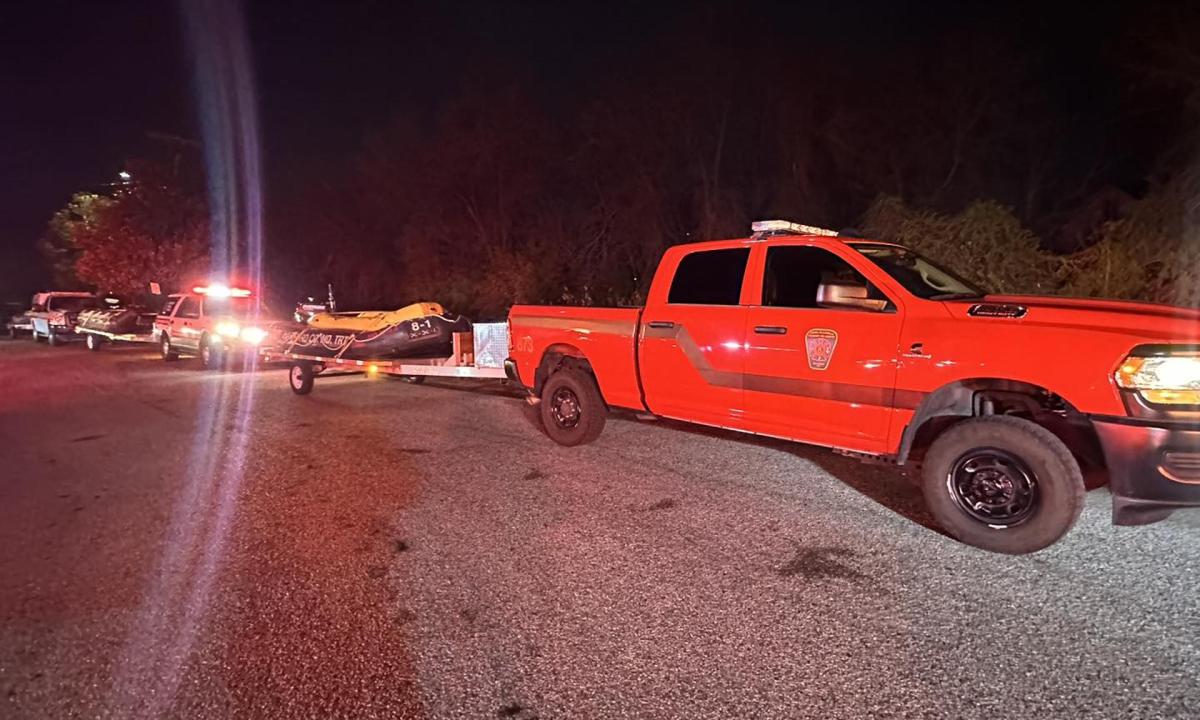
x=605, y=336
x=861, y=393
x=705, y=365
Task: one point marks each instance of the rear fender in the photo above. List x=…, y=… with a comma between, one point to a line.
x=552, y=360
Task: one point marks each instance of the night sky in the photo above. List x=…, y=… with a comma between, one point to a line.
x=83, y=83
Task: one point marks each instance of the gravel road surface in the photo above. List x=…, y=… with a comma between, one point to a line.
x=175, y=543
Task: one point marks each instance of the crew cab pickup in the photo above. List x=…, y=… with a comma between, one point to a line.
x=869, y=348
x=214, y=322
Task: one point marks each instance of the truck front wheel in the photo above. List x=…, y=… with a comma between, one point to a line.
x=1003, y=484
x=573, y=412
x=211, y=355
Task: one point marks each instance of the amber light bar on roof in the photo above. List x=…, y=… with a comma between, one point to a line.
x=217, y=290
x=791, y=228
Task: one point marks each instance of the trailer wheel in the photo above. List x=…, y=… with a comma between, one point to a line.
x=93, y=342
x=165, y=348
x=413, y=379
x=1003, y=484
x=573, y=412
x=300, y=377
x=12, y=333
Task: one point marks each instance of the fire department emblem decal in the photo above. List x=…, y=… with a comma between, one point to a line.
x=820, y=343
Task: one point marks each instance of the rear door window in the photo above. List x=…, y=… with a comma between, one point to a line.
x=709, y=277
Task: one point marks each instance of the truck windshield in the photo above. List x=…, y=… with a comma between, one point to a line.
x=917, y=274
x=234, y=307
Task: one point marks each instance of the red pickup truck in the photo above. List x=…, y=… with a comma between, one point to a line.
x=869, y=348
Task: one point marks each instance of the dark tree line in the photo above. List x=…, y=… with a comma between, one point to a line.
x=961, y=146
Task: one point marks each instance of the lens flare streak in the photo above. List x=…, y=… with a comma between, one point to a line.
x=178, y=595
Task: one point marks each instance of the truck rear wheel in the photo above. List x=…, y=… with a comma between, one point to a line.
x=573, y=412
x=165, y=348
x=1003, y=484
x=52, y=338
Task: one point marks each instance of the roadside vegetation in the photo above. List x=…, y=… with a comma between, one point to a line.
x=502, y=196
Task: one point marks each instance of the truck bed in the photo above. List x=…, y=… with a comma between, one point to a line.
x=605, y=336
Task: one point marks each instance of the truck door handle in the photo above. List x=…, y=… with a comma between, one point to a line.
x=660, y=324
x=770, y=330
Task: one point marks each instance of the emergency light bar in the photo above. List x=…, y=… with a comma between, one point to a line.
x=783, y=227
x=217, y=290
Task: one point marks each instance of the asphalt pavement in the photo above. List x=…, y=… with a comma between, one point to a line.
x=176, y=543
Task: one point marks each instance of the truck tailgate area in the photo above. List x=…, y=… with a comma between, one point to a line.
x=605, y=337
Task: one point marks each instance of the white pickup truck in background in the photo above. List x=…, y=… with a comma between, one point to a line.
x=54, y=313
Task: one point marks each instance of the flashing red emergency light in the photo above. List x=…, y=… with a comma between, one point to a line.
x=217, y=290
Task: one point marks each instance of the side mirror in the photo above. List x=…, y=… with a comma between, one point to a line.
x=846, y=295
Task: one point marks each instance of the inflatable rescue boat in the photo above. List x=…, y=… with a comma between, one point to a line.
x=420, y=330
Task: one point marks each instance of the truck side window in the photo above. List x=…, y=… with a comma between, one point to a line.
x=709, y=277
x=798, y=276
x=168, y=306
x=188, y=308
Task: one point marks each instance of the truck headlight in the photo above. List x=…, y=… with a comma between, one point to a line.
x=1170, y=377
x=254, y=335
x=228, y=329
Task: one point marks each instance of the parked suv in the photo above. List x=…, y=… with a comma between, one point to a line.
x=215, y=323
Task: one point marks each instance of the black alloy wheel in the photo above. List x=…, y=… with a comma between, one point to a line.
x=572, y=410
x=564, y=408
x=1002, y=483
x=993, y=486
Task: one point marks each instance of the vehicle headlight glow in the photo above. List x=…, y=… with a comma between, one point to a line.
x=228, y=329
x=254, y=335
x=1171, y=378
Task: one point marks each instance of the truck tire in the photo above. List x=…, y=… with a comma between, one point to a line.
x=1003, y=484
x=573, y=412
x=165, y=348
x=300, y=378
x=52, y=338
x=210, y=355
x=93, y=342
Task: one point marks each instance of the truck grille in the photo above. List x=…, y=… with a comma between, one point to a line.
x=1182, y=466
